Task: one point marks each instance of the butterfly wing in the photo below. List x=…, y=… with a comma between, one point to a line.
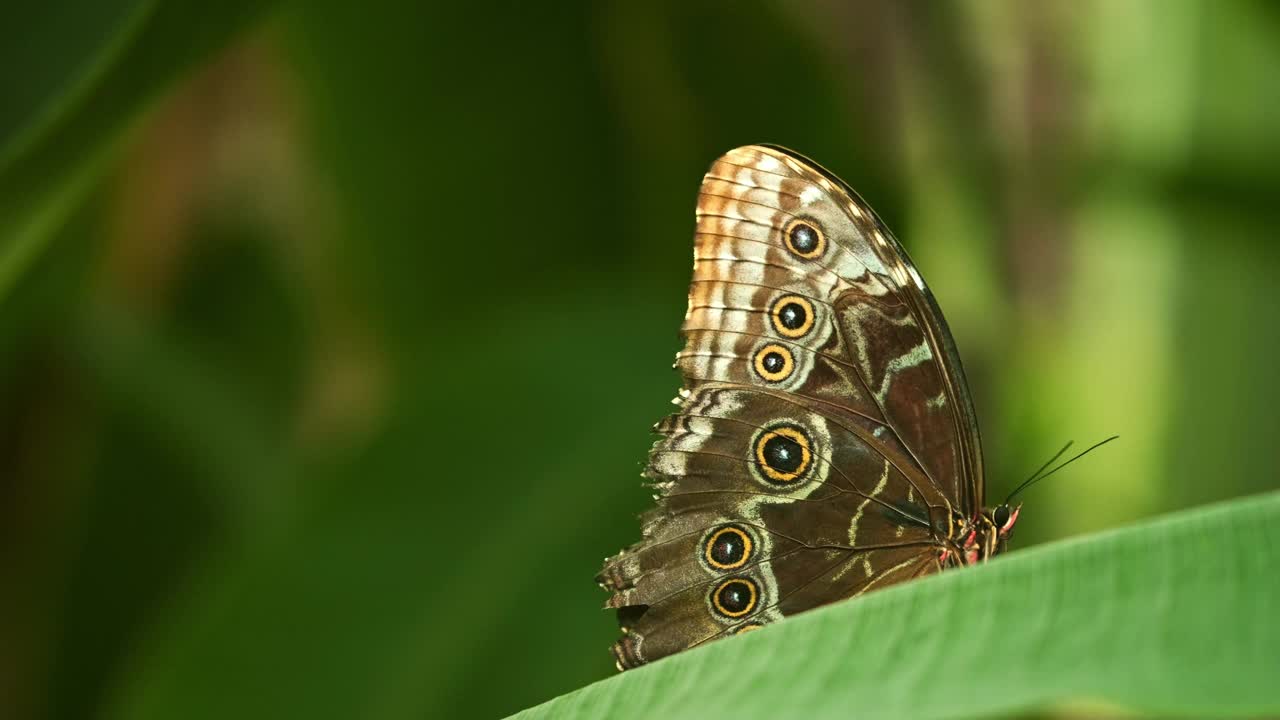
x=824, y=429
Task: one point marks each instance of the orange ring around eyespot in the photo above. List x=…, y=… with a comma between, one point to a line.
x=776, y=315
x=788, y=363
x=806, y=455
x=715, y=598
x=818, y=248
x=711, y=542
x=747, y=627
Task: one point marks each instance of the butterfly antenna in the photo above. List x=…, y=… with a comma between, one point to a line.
x=1038, y=476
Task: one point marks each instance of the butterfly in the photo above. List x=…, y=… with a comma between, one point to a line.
x=825, y=443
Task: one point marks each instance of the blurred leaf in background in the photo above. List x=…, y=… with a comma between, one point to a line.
x=332, y=333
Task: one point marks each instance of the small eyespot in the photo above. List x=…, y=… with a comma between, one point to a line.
x=784, y=454
x=792, y=316
x=727, y=548
x=804, y=239
x=774, y=362
x=747, y=627
x=735, y=597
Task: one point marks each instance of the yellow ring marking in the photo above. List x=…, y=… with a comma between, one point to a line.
x=711, y=543
x=747, y=627
x=818, y=247
x=788, y=363
x=715, y=598
x=806, y=456
x=776, y=314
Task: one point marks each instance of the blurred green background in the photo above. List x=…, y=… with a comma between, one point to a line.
x=331, y=333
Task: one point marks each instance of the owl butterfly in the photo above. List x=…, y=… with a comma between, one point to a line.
x=825, y=443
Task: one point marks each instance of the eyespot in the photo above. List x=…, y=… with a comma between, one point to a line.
x=804, y=239
x=784, y=454
x=727, y=548
x=792, y=316
x=734, y=597
x=747, y=627
x=774, y=362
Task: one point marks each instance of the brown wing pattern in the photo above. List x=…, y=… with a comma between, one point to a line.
x=824, y=424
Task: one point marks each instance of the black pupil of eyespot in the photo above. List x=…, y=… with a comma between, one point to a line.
x=773, y=362
x=804, y=238
x=728, y=548
x=783, y=453
x=792, y=316
x=735, y=596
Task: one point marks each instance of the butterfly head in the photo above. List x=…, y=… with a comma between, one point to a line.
x=989, y=534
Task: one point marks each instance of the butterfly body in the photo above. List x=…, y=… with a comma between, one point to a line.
x=825, y=444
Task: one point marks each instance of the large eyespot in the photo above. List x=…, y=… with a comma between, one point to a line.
x=792, y=316
x=774, y=362
x=784, y=454
x=727, y=548
x=804, y=239
x=735, y=597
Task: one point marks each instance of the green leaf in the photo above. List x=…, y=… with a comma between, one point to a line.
x=59, y=142
x=1172, y=617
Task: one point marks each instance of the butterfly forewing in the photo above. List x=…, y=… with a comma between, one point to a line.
x=824, y=423
x=962, y=444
